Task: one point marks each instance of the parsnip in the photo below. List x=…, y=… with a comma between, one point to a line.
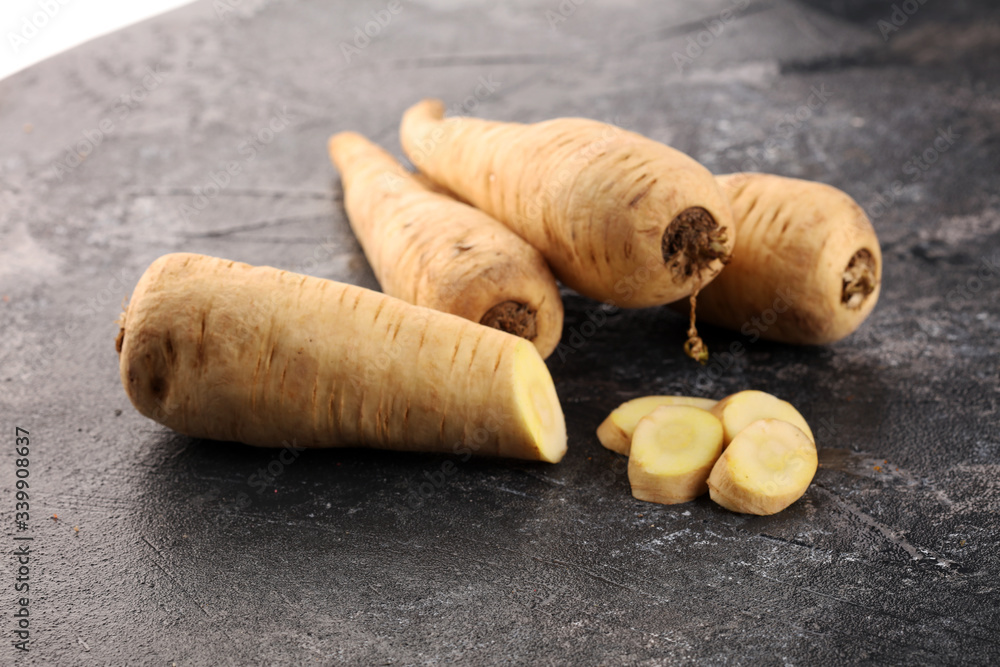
x=673, y=451
x=431, y=250
x=619, y=217
x=806, y=268
x=615, y=432
x=766, y=468
x=222, y=350
x=739, y=410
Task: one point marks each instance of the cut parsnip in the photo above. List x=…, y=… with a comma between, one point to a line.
x=743, y=408
x=766, y=468
x=673, y=450
x=221, y=350
x=615, y=432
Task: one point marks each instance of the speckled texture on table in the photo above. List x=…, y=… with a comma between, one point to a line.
x=359, y=557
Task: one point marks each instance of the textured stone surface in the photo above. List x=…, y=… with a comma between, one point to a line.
x=890, y=557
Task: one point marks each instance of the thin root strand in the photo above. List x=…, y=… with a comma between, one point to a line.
x=694, y=346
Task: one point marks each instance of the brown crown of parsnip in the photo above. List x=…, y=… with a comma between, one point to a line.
x=806, y=269
x=228, y=351
x=619, y=217
x=431, y=250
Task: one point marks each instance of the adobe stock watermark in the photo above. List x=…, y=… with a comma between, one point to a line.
x=987, y=270
x=435, y=481
x=96, y=308
x=122, y=108
x=266, y=476
x=617, y=469
x=578, y=336
x=485, y=87
x=788, y=125
x=262, y=479
x=720, y=363
x=227, y=10
x=900, y=14
x=218, y=181
x=918, y=165
x=364, y=34
x=703, y=39
x=32, y=24
x=597, y=316
x=263, y=307
x=565, y=9
x=253, y=314
x=557, y=183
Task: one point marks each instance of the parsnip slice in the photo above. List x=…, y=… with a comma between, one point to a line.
x=743, y=408
x=766, y=468
x=673, y=451
x=615, y=432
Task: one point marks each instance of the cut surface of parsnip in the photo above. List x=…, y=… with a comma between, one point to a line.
x=673, y=451
x=228, y=351
x=431, y=250
x=739, y=410
x=619, y=217
x=766, y=468
x=806, y=269
x=615, y=432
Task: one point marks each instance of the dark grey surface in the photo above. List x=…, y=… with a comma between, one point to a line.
x=891, y=556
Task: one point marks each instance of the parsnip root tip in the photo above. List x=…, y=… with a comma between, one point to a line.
x=695, y=348
x=430, y=107
x=860, y=279
x=514, y=318
x=692, y=241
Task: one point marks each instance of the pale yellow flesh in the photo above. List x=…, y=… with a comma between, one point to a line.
x=615, y=432
x=538, y=405
x=766, y=468
x=673, y=451
x=227, y=351
x=741, y=409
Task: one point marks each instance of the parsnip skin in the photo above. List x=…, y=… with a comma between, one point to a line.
x=619, y=217
x=673, y=450
x=431, y=250
x=806, y=269
x=767, y=467
x=739, y=410
x=223, y=350
x=615, y=432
